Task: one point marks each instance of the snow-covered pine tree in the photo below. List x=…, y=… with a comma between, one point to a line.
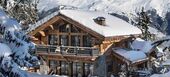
x=143, y=24
x=15, y=48
x=22, y=10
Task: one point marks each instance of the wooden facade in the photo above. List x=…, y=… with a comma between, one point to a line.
x=68, y=47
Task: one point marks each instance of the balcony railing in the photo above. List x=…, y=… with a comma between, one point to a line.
x=67, y=50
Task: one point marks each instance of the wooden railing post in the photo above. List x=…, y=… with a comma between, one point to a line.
x=48, y=49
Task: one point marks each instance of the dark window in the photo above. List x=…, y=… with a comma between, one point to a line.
x=87, y=41
x=64, y=40
x=64, y=68
x=75, y=40
x=64, y=28
x=53, y=40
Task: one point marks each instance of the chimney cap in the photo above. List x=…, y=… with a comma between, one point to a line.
x=100, y=21
x=100, y=18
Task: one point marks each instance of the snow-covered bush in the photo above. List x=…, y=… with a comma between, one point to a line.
x=15, y=48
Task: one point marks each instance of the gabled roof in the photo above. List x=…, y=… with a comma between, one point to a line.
x=130, y=55
x=114, y=26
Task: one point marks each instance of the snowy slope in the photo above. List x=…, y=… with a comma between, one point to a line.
x=111, y=6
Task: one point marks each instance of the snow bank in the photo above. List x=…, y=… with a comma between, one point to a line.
x=167, y=62
x=38, y=75
x=161, y=75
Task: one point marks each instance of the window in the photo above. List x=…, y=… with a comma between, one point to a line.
x=87, y=41
x=75, y=40
x=64, y=40
x=64, y=68
x=53, y=40
x=64, y=28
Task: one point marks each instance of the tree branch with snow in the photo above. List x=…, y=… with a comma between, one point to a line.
x=15, y=48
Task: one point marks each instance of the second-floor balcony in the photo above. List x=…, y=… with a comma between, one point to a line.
x=67, y=50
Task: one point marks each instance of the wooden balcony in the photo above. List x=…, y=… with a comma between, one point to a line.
x=68, y=53
x=67, y=50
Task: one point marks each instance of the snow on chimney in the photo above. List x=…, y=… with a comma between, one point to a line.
x=100, y=21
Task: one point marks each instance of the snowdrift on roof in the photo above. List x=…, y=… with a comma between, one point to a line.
x=114, y=26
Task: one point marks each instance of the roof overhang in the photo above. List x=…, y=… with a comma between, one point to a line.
x=127, y=61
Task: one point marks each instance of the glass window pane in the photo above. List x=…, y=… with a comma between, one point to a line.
x=64, y=40
x=75, y=40
x=53, y=40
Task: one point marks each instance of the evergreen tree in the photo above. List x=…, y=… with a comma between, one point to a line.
x=143, y=24
x=15, y=48
x=22, y=10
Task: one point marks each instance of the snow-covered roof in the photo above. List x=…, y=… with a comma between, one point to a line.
x=141, y=45
x=40, y=22
x=114, y=26
x=131, y=55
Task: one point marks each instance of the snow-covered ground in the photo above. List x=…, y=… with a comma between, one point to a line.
x=38, y=75
x=161, y=75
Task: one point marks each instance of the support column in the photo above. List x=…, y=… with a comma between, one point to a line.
x=101, y=48
x=59, y=68
x=83, y=69
x=70, y=69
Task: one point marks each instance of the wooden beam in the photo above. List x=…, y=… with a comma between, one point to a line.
x=42, y=33
x=73, y=58
x=43, y=26
x=34, y=38
x=81, y=40
x=51, y=26
x=69, y=37
x=82, y=27
x=65, y=33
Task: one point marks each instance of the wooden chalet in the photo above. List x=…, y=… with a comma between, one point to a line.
x=70, y=40
x=129, y=56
